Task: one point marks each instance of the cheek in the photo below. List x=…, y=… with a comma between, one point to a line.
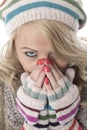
x=26, y=64
x=62, y=65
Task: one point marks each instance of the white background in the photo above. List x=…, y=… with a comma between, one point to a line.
x=4, y=36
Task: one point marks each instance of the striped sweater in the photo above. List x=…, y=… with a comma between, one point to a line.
x=48, y=110
x=11, y=119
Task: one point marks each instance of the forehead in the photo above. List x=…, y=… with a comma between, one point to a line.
x=32, y=36
x=27, y=30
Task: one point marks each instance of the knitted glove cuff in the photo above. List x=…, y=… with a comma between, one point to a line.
x=65, y=100
x=30, y=89
x=28, y=101
x=57, y=94
x=67, y=106
x=29, y=107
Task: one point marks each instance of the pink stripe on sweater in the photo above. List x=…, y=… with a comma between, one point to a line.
x=30, y=118
x=68, y=114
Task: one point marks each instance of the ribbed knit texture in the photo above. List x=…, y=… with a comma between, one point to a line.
x=16, y=120
x=47, y=110
x=73, y=125
x=17, y=12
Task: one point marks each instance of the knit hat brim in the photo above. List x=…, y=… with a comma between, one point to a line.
x=15, y=13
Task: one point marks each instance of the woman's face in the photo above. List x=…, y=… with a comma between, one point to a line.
x=31, y=45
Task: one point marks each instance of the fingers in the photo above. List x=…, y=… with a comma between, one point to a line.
x=47, y=75
x=40, y=80
x=56, y=77
x=37, y=74
x=52, y=80
x=53, y=74
x=37, y=70
x=46, y=85
x=56, y=72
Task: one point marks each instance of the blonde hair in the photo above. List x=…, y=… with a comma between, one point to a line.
x=10, y=68
x=65, y=42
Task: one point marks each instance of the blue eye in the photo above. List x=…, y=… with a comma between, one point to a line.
x=31, y=54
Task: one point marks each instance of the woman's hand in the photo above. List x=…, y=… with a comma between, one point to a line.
x=48, y=86
x=48, y=76
x=46, y=73
x=55, y=77
x=63, y=95
x=31, y=98
x=37, y=74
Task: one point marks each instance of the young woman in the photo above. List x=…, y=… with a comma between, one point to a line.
x=43, y=65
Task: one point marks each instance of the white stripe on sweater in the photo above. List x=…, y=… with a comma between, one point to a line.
x=66, y=100
x=68, y=119
x=30, y=102
x=30, y=123
x=28, y=111
x=67, y=110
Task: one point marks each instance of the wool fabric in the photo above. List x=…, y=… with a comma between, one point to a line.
x=45, y=110
x=17, y=12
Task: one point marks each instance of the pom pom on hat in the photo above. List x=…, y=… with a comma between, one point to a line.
x=17, y=12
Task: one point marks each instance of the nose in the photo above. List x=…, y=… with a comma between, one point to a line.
x=45, y=55
x=44, y=62
x=44, y=59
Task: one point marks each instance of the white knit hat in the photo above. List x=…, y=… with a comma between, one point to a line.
x=17, y=12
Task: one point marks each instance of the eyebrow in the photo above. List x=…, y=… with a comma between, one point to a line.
x=28, y=48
